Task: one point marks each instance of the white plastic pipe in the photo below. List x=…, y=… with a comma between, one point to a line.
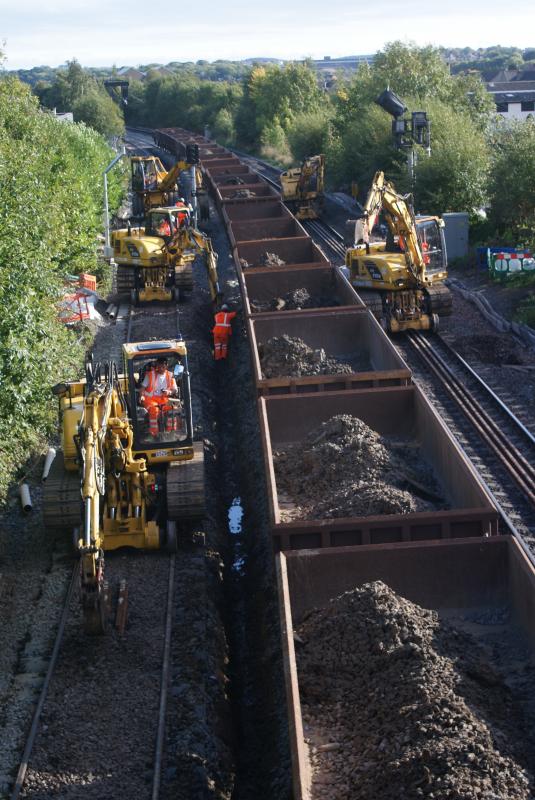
x=25, y=498
x=50, y=456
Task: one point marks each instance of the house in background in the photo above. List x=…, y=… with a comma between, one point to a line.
x=514, y=92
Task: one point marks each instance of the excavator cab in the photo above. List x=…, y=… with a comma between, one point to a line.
x=431, y=236
x=146, y=172
x=166, y=222
x=166, y=425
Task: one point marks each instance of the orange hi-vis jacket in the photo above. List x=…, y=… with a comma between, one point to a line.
x=222, y=328
x=149, y=390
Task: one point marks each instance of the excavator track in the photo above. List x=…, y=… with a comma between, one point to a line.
x=62, y=505
x=184, y=278
x=373, y=301
x=125, y=279
x=440, y=300
x=185, y=487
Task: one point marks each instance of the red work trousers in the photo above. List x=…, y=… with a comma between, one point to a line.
x=155, y=405
x=220, y=344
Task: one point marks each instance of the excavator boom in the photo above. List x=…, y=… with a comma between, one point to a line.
x=401, y=279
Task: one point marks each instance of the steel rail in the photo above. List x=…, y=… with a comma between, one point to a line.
x=23, y=768
x=519, y=468
x=160, y=735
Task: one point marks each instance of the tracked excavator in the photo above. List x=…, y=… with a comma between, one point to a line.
x=124, y=476
x=400, y=279
x=153, y=186
x=155, y=261
x=302, y=188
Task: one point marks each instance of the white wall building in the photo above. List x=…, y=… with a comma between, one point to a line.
x=514, y=93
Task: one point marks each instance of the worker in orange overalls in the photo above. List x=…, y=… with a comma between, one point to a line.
x=222, y=330
x=157, y=386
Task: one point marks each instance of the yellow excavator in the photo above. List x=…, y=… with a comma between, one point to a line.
x=400, y=279
x=302, y=188
x=155, y=261
x=153, y=186
x=126, y=475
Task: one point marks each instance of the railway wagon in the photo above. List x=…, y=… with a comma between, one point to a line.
x=294, y=252
x=462, y=580
x=349, y=335
x=327, y=288
x=401, y=412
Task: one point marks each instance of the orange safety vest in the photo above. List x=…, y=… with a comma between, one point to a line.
x=149, y=390
x=222, y=322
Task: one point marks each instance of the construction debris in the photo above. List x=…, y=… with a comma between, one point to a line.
x=242, y=194
x=293, y=301
x=291, y=356
x=344, y=469
x=271, y=260
x=397, y=703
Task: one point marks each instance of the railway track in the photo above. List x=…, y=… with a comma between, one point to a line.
x=499, y=444
x=150, y=584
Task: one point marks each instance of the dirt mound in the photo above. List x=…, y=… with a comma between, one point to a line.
x=295, y=301
x=291, y=356
x=345, y=468
x=271, y=260
x=397, y=704
x=242, y=193
x=362, y=500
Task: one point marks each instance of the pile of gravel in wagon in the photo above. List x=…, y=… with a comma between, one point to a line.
x=294, y=301
x=290, y=356
x=397, y=704
x=242, y=193
x=345, y=468
x=271, y=260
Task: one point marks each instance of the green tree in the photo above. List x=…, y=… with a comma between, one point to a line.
x=310, y=133
x=272, y=97
x=100, y=112
x=512, y=185
x=412, y=71
x=76, y=90
x=455, y=176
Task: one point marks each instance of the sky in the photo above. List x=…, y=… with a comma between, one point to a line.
x=114, y=32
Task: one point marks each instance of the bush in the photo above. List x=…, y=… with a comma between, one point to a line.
x=50, y=213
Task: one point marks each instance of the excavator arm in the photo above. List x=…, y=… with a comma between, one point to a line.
x=170, y=179
x=190, y=238
x=400, y=220
x=105, y=447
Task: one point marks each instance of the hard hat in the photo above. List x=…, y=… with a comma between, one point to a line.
x=224, y=307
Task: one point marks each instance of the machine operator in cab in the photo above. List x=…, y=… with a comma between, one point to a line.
x=157, y=387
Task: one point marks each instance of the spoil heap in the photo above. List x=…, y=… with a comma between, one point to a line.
x=399, y=705
x=271, y=260
x=294, y=301
x=291, y=356
x=246, y=194
x=344, y=468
